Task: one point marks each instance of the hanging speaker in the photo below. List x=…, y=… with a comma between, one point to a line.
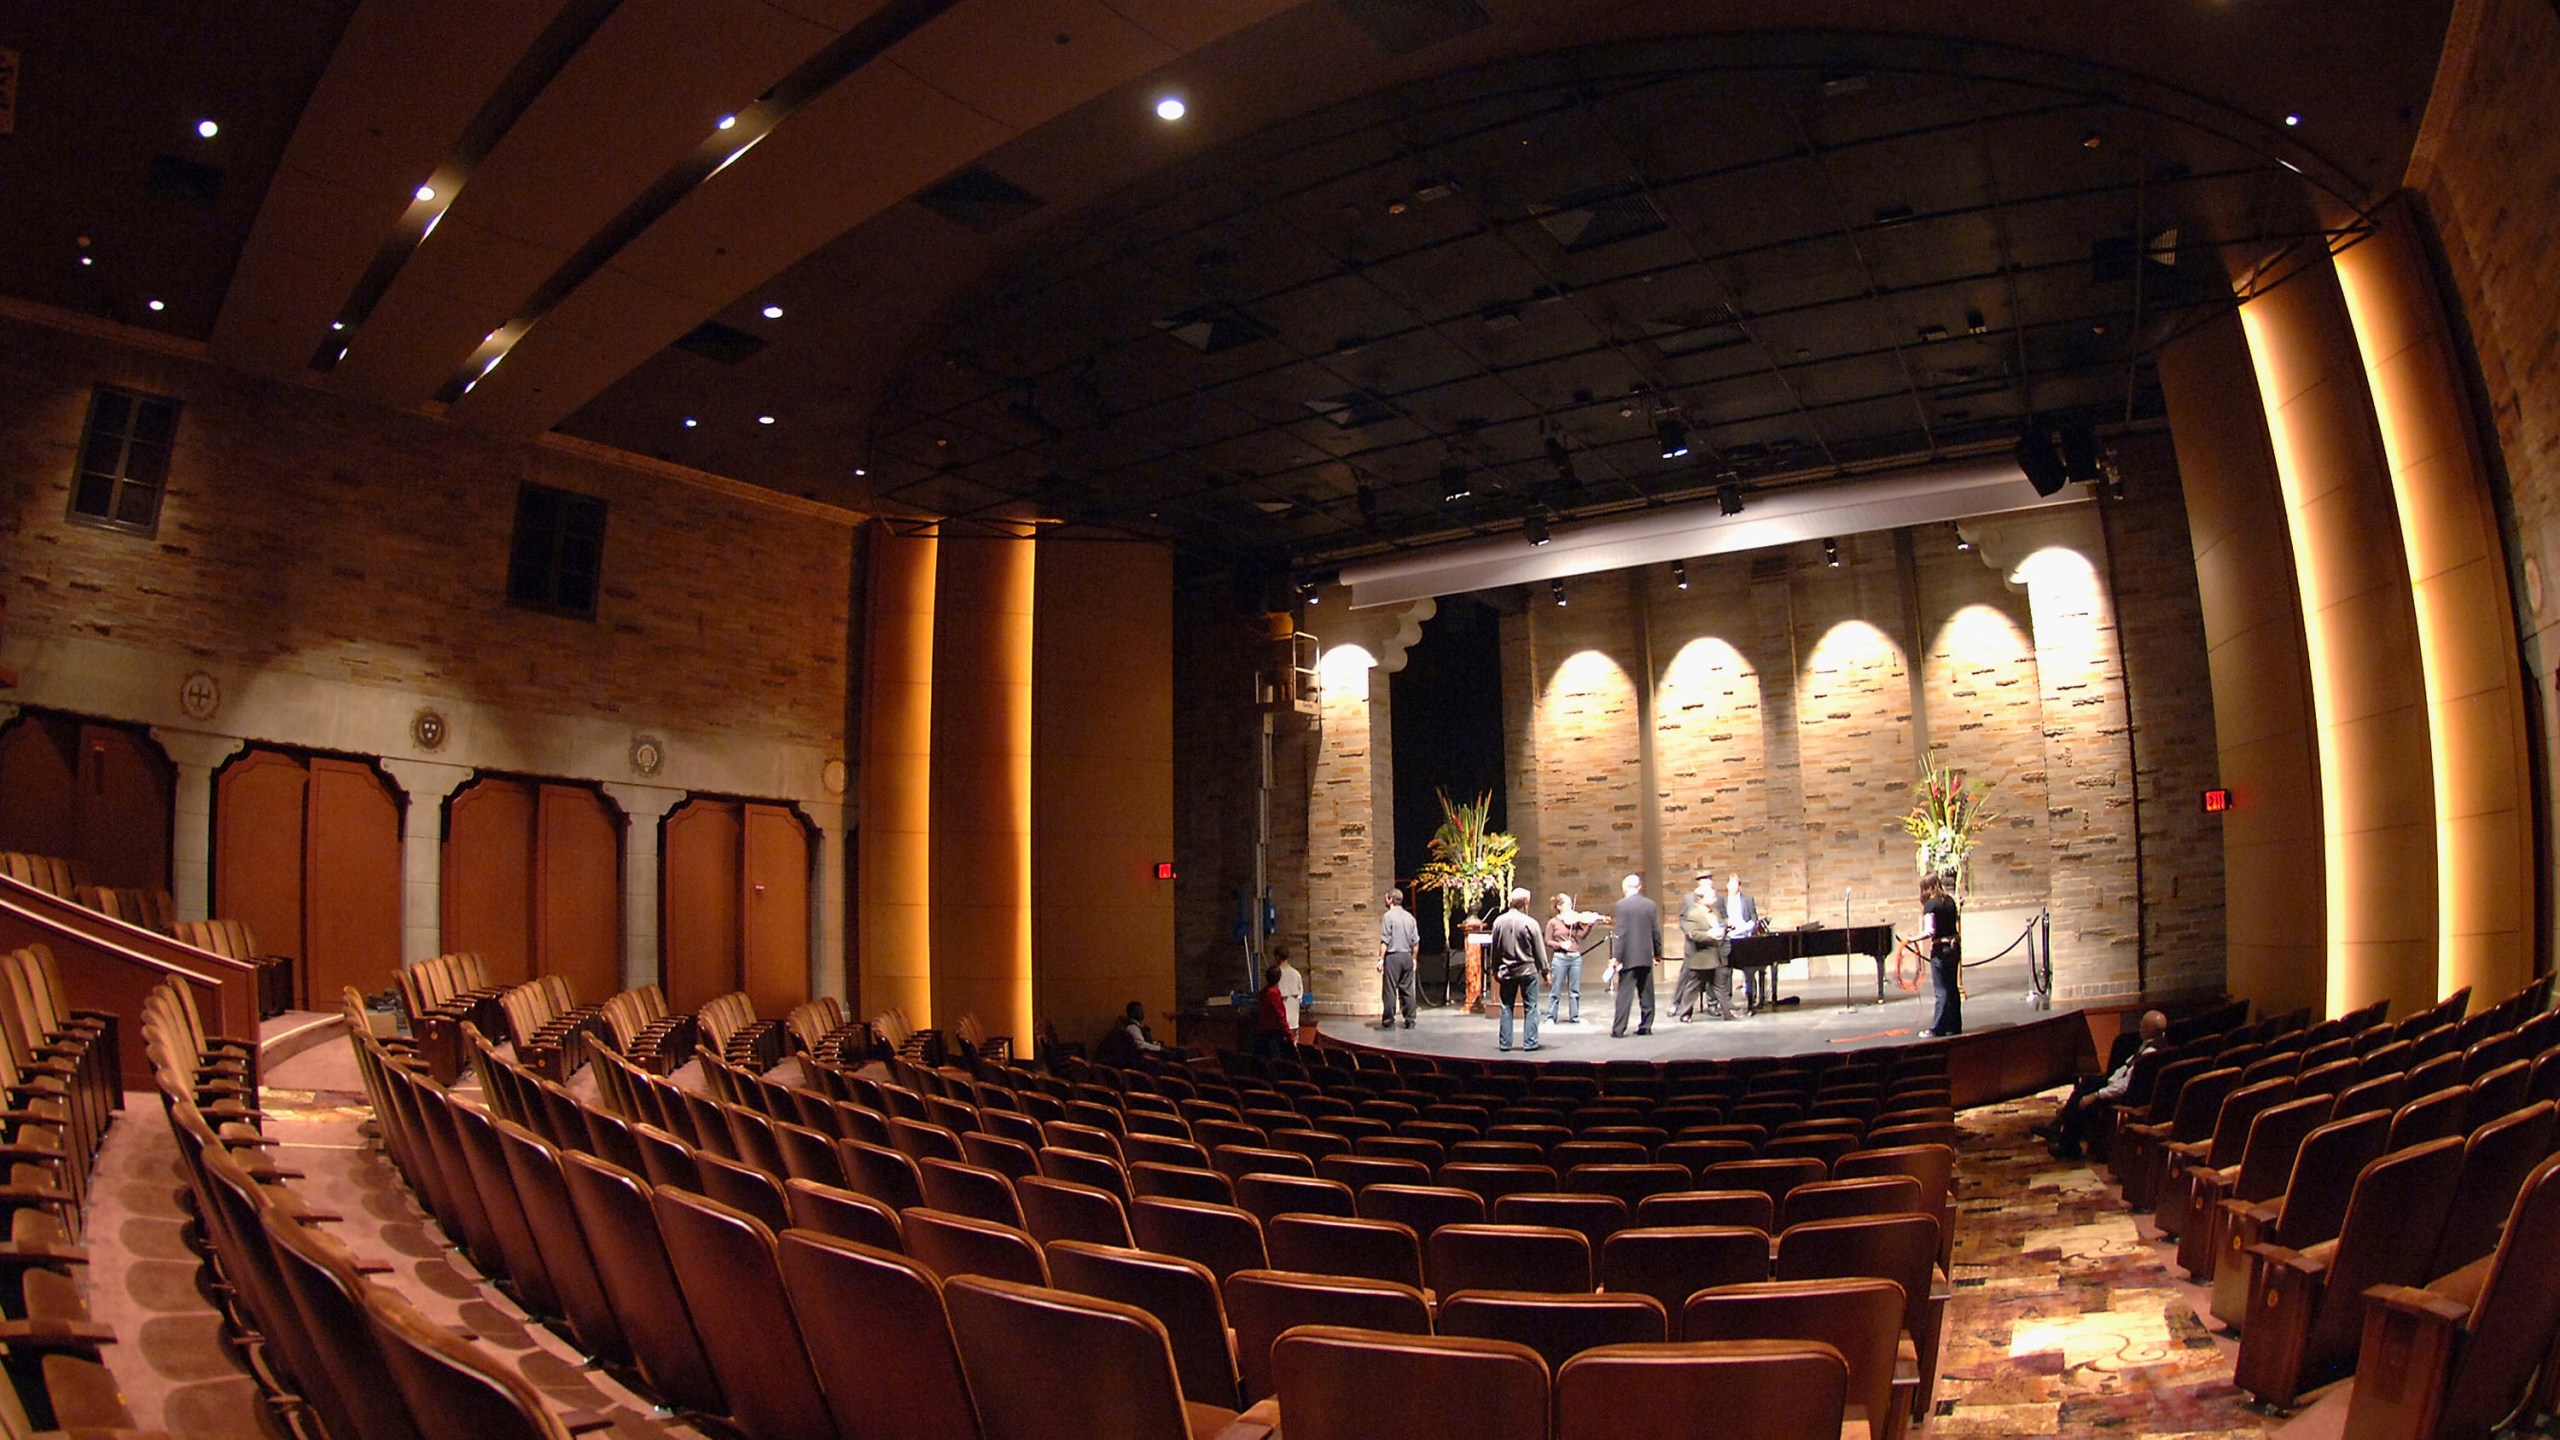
x=2041, y=461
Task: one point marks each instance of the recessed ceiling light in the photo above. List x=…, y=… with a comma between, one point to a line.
x=426, y=193
x=728, y=120
x=859, y=472
x=773, y=312
x=764, y=419
x=690, y=422
x=87, y=260
x=1171, y=108
x=207, y=129
x=337, y=324
x=156, y=305
x=2293, y=119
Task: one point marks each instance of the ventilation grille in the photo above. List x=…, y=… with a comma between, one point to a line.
x=979, y=199
x=1587, y=222
x=1401, y=27
x=725, y=343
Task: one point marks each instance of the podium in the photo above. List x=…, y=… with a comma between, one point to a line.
x=1479, y=945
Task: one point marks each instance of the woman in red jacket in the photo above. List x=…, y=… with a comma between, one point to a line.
x=1271, y=1035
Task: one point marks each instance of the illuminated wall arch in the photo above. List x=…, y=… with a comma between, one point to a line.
x=1590, y=775
x=1986, y=719
x=1853, y=700
x=1711, y=762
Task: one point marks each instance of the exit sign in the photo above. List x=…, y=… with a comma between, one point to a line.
x=2216, y=800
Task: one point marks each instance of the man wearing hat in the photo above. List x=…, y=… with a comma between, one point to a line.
x=1703, y=977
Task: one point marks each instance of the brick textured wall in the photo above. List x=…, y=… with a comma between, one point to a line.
x=1986, y=716
x=1217, y=740
x=308, y=535
x=2489, y=168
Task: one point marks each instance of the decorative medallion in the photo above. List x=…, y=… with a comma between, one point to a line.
x=2533, y=583
x=831, y=775
x=199, y=695
x=648, y=752
x=428, y=728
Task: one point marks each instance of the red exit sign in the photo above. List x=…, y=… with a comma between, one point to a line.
x=2216, y=800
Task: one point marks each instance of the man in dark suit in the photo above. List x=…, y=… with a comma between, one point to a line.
x=1638, y=925
x=1741, y=921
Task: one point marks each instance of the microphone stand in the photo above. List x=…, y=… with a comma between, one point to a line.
x=1848, y=992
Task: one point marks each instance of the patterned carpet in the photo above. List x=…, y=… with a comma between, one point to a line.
x=2069, y=1317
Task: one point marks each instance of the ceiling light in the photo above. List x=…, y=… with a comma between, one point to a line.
x=690, y=422
x=156, y=305
x=1556, y=588
x=1307, y=592
x=85, y=260
x=1535, y=527
x=773, y=312
x=1680, y=574
x=337, y=324
x=1674, y=437
x=2289, y=120
x=728, y=120
x=426, y=193
x=208, y=129
x=859, y=472
x=764, y=419
x=1831, y=553
x=1962, y=543
x=1171, y=108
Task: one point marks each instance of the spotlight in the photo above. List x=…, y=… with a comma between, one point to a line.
x=156, y=306
x=1556, y=588
x=1963, y=543
x=1729, y=499
x=426, y=193
x=2041, y=462
x=727, y=120
x=773, y=312
x=1831, y=553
x=1171, y=108
x=1307, y=592
x=207, y=129
x=2081, y=459
x=1535, y=527
x=764, y=419
x=1453, y=482
x=1674, y=437
x=1680, y=574
x=690, y=422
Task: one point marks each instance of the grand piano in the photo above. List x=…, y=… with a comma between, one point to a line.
x=1762, y=954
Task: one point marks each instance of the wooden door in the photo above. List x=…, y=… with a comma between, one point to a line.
x=128, y=798
x=577, y=888
x=258, y=804
x=698, y=903
x=351, y=876
x=39, y=788
x=774, y=909
x=488, y=876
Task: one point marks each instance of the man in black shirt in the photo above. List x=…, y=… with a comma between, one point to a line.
x=1940, y=931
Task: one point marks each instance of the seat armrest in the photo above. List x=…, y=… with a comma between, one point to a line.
x=56, y=1334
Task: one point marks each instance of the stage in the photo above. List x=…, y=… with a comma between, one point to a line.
x=1817, y=1021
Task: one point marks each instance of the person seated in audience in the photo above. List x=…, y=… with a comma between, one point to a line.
x=2070, y=1128
x=1271, y=1035
x=1128, y=1038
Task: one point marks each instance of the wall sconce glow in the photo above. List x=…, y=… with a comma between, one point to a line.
x=207, y=129
x=1171, y=108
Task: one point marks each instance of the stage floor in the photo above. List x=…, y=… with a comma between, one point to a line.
x=1996, y=995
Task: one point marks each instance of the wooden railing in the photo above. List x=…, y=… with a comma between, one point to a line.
x=110, y=965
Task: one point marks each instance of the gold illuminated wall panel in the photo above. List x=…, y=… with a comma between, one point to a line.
x=895, y=904
x=981, y=785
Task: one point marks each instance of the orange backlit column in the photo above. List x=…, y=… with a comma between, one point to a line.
x=895, y=907
x=1102, y=783
x=2275, y=915
x=982, y=783
x=2368, y=701
x=2466, y=630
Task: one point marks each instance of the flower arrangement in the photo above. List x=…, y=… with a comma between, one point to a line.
x=1945, y=823
x=1470, y=863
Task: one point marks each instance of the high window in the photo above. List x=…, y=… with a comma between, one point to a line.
x=559, y=552
x=124, y=460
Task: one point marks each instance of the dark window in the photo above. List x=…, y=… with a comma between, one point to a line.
x=559, y=551
x=124, y=459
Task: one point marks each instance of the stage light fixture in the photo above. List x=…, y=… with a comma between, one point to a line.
x=1556, y=588
x=1729, y=499
x=1680, y=574
x=1674, y=437
x=2039, y=461
x=1453, y=482
x=1964, y=543
x=1535, y=527
x=1171, y=108
x=1831, y=553
x=207, y=129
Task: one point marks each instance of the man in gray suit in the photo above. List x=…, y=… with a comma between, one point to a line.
x=1398, y=938
x=1638, y=924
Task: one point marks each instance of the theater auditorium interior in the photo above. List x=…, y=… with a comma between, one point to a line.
x=674, y=672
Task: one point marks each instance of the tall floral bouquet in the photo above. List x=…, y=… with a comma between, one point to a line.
x=1945, y=823
x=1470, y=863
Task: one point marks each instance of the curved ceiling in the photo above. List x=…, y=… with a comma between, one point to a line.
x=524, y=218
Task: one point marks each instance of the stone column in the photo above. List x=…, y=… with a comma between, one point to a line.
x=643, y=807
x=196, y=755
x=422, y=853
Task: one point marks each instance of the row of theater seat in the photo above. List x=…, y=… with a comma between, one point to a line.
x=2370, y=1198
x=156, y=910
x=815, y=1202
x=58, y=1068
